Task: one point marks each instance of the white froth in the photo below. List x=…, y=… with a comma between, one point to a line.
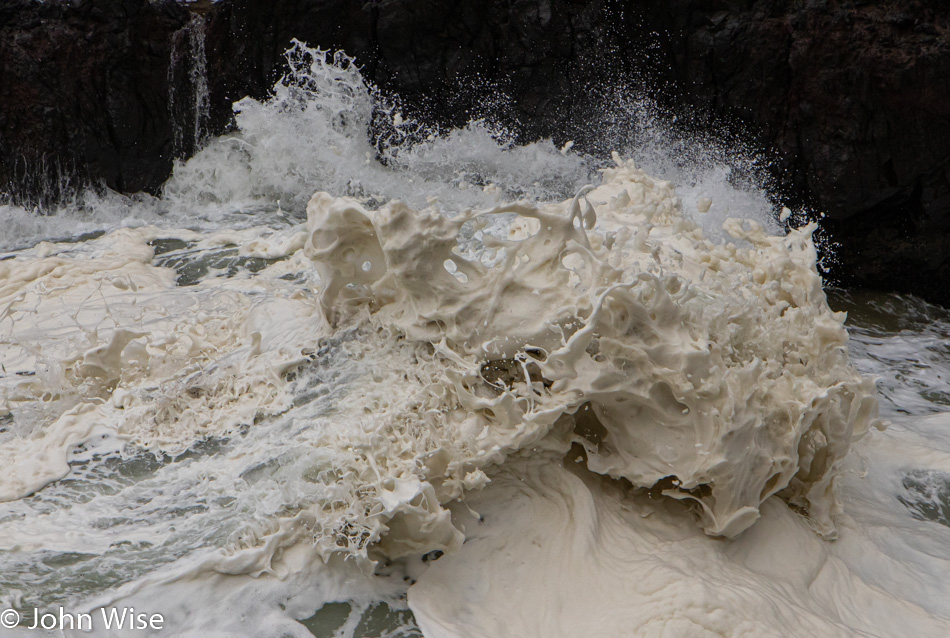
x=714, y=372
x=606, y=327
x=587, y=557
x=650, y=404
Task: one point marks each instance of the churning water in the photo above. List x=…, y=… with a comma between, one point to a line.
x=340, y=386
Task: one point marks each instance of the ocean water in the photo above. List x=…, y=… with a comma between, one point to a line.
x=436, y=384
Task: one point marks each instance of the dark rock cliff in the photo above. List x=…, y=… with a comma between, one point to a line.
x=855, y=98
x=84, y=94
x=852, y=97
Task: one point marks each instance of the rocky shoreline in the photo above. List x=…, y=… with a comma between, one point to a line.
x=850, y=98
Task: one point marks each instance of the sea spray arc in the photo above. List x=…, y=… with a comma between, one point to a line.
x=313, y=133
x=716, y=372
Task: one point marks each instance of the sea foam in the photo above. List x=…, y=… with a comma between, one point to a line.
x=297, y=397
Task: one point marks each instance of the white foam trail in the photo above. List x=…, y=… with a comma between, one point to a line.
x=902, y=342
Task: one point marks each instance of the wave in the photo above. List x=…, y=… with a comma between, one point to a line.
x=459, y=359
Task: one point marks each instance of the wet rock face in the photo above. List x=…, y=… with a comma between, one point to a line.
x=855, y=97
x=84, y=94
x=852, y=96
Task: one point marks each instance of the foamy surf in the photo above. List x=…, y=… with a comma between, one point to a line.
x=461, y=383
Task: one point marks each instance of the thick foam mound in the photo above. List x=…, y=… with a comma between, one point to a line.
x=352, y=408
x=710, y=372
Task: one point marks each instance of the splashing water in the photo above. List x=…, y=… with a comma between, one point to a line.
x=188, y=50
x=456, y=380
